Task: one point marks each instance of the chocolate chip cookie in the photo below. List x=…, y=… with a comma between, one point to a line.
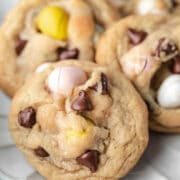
x=76, y=120
x=152, y=63
x=39, y=31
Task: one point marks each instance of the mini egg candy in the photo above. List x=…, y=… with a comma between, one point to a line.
x=75, y=135
x=152, y=7
x=63, y=79
x=53, y=21
x=169, y=92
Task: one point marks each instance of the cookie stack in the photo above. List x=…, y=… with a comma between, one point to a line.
x=86, y=77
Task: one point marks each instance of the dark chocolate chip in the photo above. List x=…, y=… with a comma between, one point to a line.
x=176, y=65
x=174, y=3
x=27, y=117
x=166, y=47
x=82, y=103
x=41, y=152
x=135, y=36
x=89, y=159
x=104, y=81
x=64, y=53
x=20, y=45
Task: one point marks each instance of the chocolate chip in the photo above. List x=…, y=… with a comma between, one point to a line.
x=20, y=45
x=41, y=152
x=166, y=47
x=82, y=103
x=174, y=3
x=176, y=65
x=65, y=53
x=89, y=159
x=27, y=117
x=104, y=82
x=135, y=36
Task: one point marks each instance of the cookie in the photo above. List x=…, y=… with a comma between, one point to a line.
x=118, y=3
x=39, y=31
x=106, y=12
x=154, y=67
x=159, y=79
x=76, y=120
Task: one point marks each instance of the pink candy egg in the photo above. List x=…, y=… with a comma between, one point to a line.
x=63, y=79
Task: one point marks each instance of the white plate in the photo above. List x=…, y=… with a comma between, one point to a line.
x=161, y=161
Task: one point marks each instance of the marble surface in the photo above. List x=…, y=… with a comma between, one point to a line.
x=161, y=160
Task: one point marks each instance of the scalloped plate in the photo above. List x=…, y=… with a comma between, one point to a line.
x=161, y=160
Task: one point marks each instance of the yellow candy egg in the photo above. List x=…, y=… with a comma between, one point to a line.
x=53, y=21
x=72, y=134
x=75, y=135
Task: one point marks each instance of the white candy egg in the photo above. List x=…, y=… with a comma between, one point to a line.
x=150, y=7
x=169, y=92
